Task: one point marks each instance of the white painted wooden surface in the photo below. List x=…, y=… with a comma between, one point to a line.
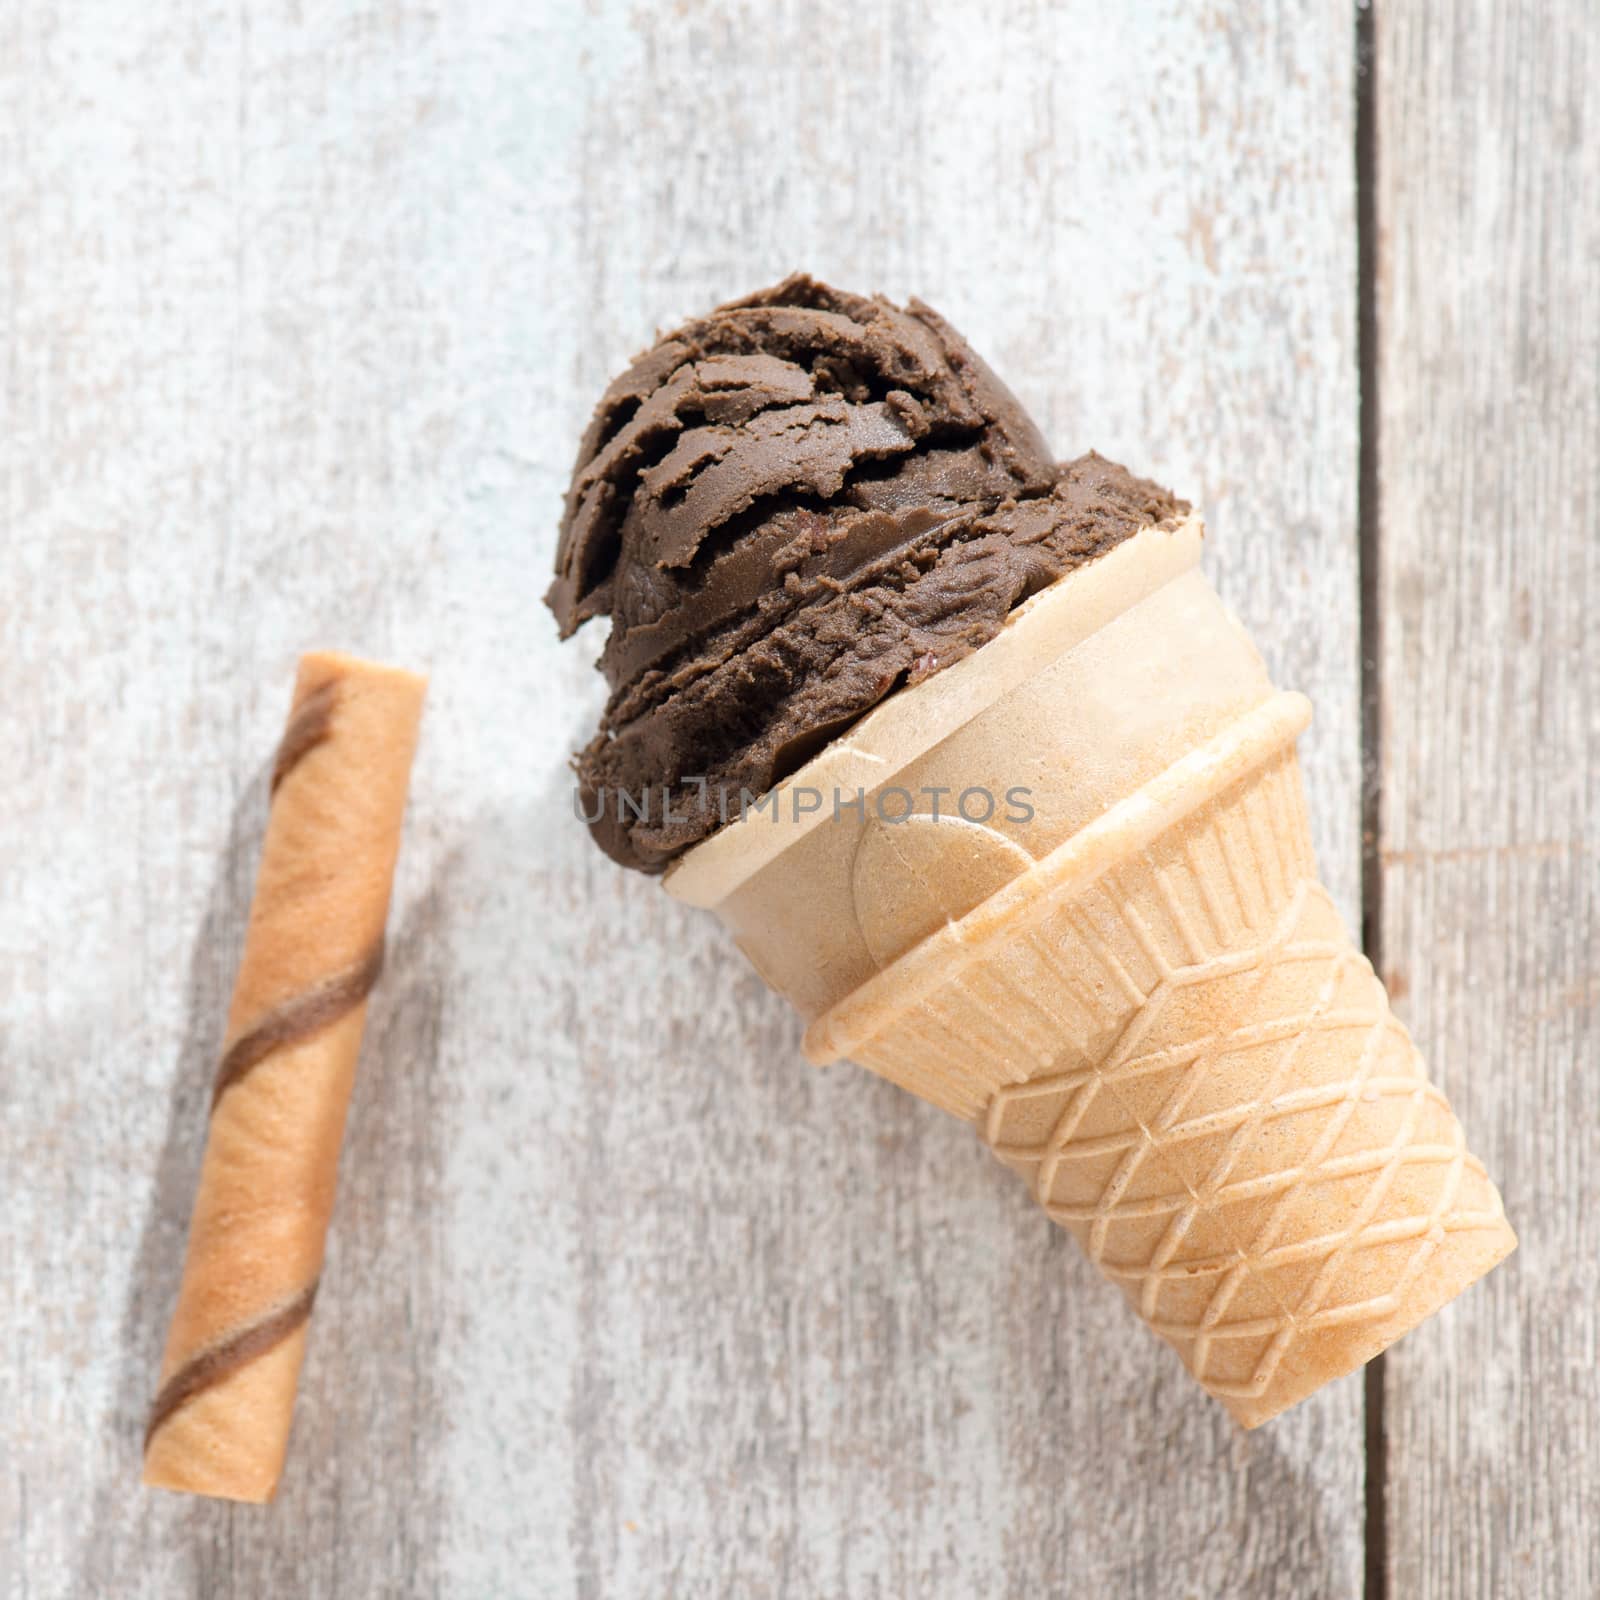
x=1490, y=319
x=303, y=306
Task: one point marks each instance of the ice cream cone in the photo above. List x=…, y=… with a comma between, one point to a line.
x=1108, y=949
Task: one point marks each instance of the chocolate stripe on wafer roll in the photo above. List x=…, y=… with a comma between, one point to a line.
x=309, y=724
x=225, y=1358
x=299, y=1018
x=313, y=952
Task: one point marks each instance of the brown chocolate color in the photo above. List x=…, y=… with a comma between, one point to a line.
x=311, y=725
x=789, y=509
x=299, y=1018
x=222, y=1360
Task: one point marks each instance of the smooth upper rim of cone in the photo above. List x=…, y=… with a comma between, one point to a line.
x=894, y=734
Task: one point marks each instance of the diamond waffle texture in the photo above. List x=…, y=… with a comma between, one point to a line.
x=1199, y=1076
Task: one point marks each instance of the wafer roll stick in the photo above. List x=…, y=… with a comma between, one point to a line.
x=313, y=951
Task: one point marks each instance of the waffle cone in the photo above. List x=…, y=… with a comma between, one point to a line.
x=1142, y=997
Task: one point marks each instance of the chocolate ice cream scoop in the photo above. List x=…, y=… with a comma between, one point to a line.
x=788, y=509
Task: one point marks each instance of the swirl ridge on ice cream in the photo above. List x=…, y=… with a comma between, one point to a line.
x=788, y=509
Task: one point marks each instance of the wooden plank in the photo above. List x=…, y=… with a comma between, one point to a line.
x=1490, y=348
x=303, y=309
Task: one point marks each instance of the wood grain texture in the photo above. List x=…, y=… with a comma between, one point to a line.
x=1490, y=352
x=303, y=309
